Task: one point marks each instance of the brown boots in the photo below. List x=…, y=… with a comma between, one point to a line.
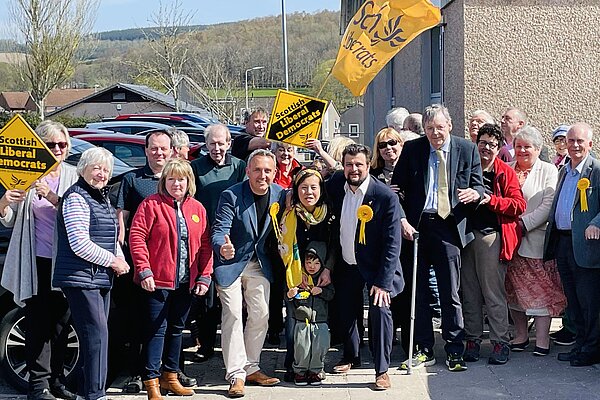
x=153, y=389
x=170, y=383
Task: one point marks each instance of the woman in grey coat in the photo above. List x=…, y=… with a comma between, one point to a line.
x=28, y=267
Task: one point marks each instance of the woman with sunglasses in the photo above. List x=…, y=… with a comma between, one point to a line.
x=28, y=265
x=387, y=149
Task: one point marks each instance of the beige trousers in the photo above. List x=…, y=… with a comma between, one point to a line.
x=242, y=347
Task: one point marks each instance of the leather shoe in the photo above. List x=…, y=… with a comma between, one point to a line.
x=571, y=355
x=382, y=382
x=60, y=391
x=261, y=379
x=344, y=366
x=40, y=394
x=186, y=381
x=236, y=388
x=585, y=360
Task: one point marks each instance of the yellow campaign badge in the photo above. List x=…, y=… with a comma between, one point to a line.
x=24, y=157
x=583, y=185
x=195, y=218
x=295, y=118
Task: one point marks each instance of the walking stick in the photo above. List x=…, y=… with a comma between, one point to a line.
x=413, y=297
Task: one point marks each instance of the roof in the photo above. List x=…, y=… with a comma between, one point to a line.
x=14, y=100
x=62, y=97
x=144, y=91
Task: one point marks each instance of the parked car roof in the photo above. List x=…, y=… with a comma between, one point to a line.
x=127, y=126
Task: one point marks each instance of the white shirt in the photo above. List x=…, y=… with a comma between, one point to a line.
x=349, y=219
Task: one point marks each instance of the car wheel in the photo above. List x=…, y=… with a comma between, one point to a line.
x=12, y=350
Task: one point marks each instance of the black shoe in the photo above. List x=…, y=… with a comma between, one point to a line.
x=60, y=391
x=185, y=380
x=134, y=385
x=585, y=360
x=202, y=356
x=500, y=354
x=568, y=356
x=40, y=394
x=519, y=346
x=289, y=375
x=273, y=339
x=563, y=337
x=456, y=363
x=472, y=351
x=540, y=351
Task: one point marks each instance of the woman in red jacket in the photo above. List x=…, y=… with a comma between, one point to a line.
x=170, y=246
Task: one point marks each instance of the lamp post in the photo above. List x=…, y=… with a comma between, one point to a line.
x=248, y=70
x=285, y=45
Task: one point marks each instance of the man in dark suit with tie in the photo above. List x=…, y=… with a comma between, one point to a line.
x=440, y=182
x=369, y=219
x=572, y=239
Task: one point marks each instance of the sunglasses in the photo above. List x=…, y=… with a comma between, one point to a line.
x=383, y=145
x=61, y=145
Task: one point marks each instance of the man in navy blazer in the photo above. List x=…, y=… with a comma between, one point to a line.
x=440, y=181
x=372, y=258
x=572, y=239
x=245, y=249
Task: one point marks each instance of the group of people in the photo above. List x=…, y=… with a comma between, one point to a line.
x=245, y=231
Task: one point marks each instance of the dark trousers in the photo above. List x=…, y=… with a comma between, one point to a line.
x=208, y=317
x=290, y=325
x=276, y=323
x=581, y=286
x=90, y=308
x=439, y=246
x=165, y=312
x=349, y=285
x=46, y=319
x=400, y=305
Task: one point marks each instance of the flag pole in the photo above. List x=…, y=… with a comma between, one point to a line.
x=324, y=83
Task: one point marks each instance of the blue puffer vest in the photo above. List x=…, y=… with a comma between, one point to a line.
x=71, y=270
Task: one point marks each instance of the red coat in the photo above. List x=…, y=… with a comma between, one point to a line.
x=286, y=181
x=154, y=241
x=508, y=203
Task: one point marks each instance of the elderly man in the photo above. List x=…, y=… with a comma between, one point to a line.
x=476, y=120
x=512, y=121
x=395, y=118
x=256, y=128
x=484, y=260
x=181, y=143
x=368, y=212
x=215, y=172
x=572, y=239
x=414, y=123
x=440, y=183
x=245, y=245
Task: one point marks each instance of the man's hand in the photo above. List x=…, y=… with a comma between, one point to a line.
x=324, y=278
x=316, y=290
x=292, y=292
x=592, y=232
x=120, y=266
x=199, y=289
x=467, y=195
x=381, y=298
x=148, y=284
x=407, y=229
x=259, y=143
x=314, y=145
x=227, y=250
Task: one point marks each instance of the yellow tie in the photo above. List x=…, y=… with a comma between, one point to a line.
x=443, y=199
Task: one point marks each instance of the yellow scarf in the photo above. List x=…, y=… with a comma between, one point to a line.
x=288, y=246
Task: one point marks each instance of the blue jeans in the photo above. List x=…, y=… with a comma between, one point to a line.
x=165, y=315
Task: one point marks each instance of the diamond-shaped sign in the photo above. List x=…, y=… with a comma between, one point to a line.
x=24, y=158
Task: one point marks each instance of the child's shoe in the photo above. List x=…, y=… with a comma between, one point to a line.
x=300, y=379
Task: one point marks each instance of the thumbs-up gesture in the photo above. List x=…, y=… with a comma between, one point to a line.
x=227, y=250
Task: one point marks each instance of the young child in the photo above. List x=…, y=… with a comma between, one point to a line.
x=311, y=333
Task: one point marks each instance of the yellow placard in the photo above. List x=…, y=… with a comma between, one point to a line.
x=295, y=118
x=379, y=30
x=24, y=158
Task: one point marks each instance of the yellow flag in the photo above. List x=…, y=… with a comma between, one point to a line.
x=378, y=31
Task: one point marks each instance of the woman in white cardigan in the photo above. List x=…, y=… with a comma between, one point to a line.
x=28, y=267
x=533, y=286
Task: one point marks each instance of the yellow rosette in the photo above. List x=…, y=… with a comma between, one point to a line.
x=195, y=218
x=273, y=211
x=583, y=185
x=364, y=214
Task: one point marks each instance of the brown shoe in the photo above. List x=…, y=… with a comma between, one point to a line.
x=236, y=388
x=259, y=378
x=382, y=382
x=153, y=389
x=342, y=367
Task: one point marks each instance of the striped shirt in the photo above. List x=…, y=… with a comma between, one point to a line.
x=76, y=213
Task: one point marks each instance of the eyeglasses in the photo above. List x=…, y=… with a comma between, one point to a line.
x=383, y=145
x=483, y=143
x=61, y=145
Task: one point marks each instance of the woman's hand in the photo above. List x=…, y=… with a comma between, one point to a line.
x=324, y=278
x=292, y=292
x=316, y=291
x=43, y=190
x=120, y=266
x=12, y=196
x=148, y=284
x=199, y=289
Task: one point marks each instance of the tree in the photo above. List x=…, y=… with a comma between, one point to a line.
x=53, y=32
x=169, y=46
x=333, y=89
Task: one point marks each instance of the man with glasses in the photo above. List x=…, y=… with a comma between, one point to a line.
x=440, y=184
x=484, y=260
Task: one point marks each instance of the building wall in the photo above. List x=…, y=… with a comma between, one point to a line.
x=538, y=55
x=454, y=64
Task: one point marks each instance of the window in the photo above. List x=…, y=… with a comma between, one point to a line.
x=354, y=130
x=436, y=58
x=118, y=96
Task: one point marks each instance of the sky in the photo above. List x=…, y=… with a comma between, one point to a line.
x=124, y=14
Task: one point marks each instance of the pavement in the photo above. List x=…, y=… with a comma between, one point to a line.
x=525, y=376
